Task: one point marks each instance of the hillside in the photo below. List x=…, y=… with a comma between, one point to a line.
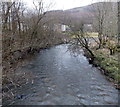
x=85, y=13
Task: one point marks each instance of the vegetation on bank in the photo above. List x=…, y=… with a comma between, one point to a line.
x=89, y=34
x=102, y=48
x=108, y=63
x=24, y=31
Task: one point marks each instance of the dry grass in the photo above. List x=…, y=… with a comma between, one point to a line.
x=14, y=80
x=89, y=34
x=92, y=34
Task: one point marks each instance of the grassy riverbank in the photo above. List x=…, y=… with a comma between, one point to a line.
x=108, y=64
x=102, y=57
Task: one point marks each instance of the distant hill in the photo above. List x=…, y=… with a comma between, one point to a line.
x=85, y=13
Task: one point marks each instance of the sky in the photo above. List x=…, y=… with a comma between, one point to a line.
x=67, y=4
x=64, y=4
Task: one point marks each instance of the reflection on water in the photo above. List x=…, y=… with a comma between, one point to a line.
x=63, y=78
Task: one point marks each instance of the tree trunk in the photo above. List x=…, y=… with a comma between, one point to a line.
x=118, y=20
x=92, y=56
x=100, y=40
x=91, y=53
x=111, y=52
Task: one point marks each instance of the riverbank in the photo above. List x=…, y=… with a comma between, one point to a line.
x=11, y=77
x=17, y=79
x=63, y=78
x=108, y=65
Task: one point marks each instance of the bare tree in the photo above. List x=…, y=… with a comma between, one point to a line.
x=23, y=32
x=6, y=6
x=101, y=10
x=82, y=38
x=119, y=19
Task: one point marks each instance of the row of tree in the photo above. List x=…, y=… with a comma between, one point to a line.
x=105, y=22
x=25, y=30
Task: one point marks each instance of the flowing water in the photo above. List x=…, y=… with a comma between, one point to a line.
x=62, y=78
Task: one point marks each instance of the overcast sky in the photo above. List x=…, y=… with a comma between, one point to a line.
x=65, y=4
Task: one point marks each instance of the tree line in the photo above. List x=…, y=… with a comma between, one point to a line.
x=105, y=23
x=26, y=29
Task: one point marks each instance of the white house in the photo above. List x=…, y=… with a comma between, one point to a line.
x=65, y=28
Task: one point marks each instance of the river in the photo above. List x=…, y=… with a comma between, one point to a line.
x=63, y=78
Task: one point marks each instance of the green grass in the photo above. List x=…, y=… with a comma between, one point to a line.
x=89, y=34
x=110, y=65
